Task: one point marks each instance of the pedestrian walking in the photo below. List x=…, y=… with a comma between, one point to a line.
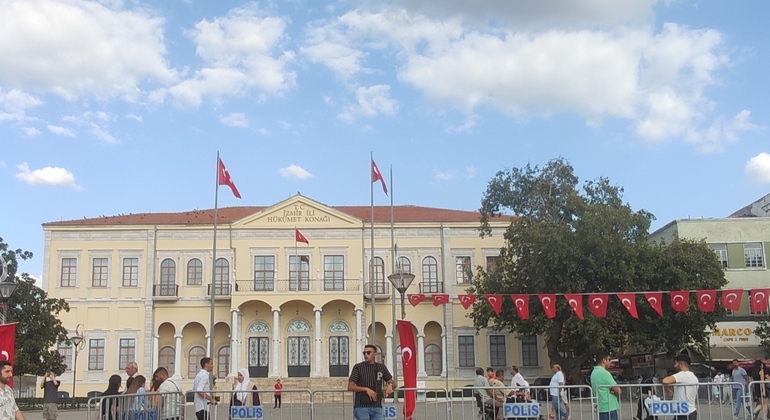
x=372, y=382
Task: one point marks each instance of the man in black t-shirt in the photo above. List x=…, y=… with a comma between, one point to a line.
x=372, y=382
x=50, y=387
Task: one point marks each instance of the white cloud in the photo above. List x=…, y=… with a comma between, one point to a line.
x=96, y=123
x=137, y=118
x=758, y=168
x=294, y=171
x=443, y=175
x=236, y=119
x=61, y=131
x=30, y=131
x=242, y=52
x=14, y=104
x=470, y=172
x=263, y=131
x=465, y=127
x=50, y=175
x=89, y=48
x=372, y=100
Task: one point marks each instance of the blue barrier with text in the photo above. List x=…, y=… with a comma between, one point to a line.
x=658, y=408
x=389, y=412
x=513, y=410
x=243, y=412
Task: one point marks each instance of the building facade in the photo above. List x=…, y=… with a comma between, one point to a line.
x=141, y=285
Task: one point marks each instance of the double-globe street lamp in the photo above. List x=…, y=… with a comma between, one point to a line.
x=78, y=342
x=401, y=282
x=7, y=287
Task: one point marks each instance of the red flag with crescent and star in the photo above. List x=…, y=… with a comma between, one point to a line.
x=521, y=302
x=629, y=302
x=377, y=176
x=299, y=237
x=415, y=299
x=408, y=364
x=467, y=300
x=223, y=178
x=575, y=301
x=680, y=300
x=655, y=299
x=8, y=343
x=440, y=299
x=707, y=300
x=759, y=300
x=597, y=304
x=496, y=302
x=731, y=299
x=548, y=300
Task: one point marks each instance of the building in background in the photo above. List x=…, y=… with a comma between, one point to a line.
x=140, y=284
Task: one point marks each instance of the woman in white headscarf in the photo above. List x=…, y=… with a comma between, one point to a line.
x=242, y=388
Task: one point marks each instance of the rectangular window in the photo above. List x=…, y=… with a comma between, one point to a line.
x=127, y=351
x=497, y=351
x=462, y=269
x=466, y=351
x=69, y=272
x=130, y=272
x=96, y=354
x=754, y=255
x=529, y=350
x=334, y=272
x=264, y=273
x=721, y=251
x=65, y=350
x=492, y=263
x=299, y=273
x=99, y=272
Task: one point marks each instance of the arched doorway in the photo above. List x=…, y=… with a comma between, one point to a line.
x=298, y=349
x=259, y=349
x=339, y=349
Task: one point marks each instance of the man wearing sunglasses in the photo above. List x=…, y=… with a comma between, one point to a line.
x=372, y=382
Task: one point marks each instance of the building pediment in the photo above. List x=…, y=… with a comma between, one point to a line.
x=298, y=211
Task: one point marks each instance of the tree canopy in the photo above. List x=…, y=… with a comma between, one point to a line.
x=39, y=329
x=569, y=239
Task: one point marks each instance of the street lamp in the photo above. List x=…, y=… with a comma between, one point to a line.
x=78, y=342
x=6, y=287
x=401, y=282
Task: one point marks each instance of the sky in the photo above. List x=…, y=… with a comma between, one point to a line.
x=120, y=106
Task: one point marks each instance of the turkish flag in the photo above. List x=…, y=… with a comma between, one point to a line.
x=549, y=304
x=377, y=176
x=575, y=301
x=467, y=300
x=409, y=365
x=597, y=304
x=496, y=302
x=707, y=300
x=8, y=343
x=731, y=299
x=415, y=300
x=223, y=178
x=680, y=300
x=440, y=299
x=521, y=302
x=759, y=300
x=629, y=302
x=655, y=299
x=299, y=237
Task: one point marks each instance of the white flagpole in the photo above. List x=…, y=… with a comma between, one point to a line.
x=373, y=333
x=212, y=289
x=393, y=257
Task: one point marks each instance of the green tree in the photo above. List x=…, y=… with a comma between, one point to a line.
x=763, y=333
x=567, y=239
x=39, y=329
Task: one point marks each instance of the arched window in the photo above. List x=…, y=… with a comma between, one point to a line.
x=222, y=277
x=166, y=359
x=429, y=283
x=194, y=272
x=223, y=362
x=194, y=361
x=433, y=360
x=377, y=276
x=404, y=264
x=167, y=278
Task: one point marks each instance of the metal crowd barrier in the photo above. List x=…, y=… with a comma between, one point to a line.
x=145, y=406
x=296, y=404
x=753, y=406
x=333, y=404
x=537, y=403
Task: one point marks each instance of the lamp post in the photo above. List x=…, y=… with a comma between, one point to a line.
x=6, y=287
x=401, y=282
x=78, y=342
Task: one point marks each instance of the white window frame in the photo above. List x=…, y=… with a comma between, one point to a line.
x=758, y=254
x=721, y=251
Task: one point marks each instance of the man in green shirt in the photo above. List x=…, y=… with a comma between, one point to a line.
x=602, y=383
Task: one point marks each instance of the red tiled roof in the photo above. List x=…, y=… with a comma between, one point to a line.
x=231, y=214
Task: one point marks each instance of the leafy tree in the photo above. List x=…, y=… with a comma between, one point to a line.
x=39, y=329
x=763, y=333
x=566, y=239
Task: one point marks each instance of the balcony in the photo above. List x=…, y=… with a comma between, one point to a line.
x=294, y=285
x=221, y=291
x=431, y=287
x=165, y=292
x=381, y=290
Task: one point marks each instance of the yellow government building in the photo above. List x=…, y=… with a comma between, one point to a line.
x=140, y=286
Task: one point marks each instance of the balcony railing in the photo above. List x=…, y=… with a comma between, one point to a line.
x=381, y=290
x=219, y=290
x=431, y=287
x=294, y=285
x=165, y=290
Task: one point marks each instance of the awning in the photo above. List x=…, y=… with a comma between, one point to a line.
x=730, y=353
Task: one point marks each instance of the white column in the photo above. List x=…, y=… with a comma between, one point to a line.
x=275, y=369
x=209, y=337
x=443, y=356
x=235, y=331
x=155, y=351
x=391, y=353
x=178, y=358
x=421, y=355
x=318, y=343
x=359, y=342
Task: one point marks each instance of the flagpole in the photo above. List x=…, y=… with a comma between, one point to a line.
x=393, y=257
x=373, y=337
x=213, y=262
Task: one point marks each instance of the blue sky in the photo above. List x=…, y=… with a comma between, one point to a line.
x=114, y=106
